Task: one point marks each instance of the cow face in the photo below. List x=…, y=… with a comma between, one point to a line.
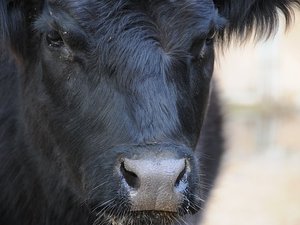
x=125, y=91
x=122, y=89
x=115, y=93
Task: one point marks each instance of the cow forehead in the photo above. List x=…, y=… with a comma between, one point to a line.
x=151, y=32
x=165, y=14
x=171, y=24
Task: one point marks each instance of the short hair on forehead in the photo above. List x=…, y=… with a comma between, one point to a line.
x=111, y=17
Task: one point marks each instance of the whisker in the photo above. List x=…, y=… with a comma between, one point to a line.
x=102, y=204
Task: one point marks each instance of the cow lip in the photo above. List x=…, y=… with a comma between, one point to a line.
x=140, y=217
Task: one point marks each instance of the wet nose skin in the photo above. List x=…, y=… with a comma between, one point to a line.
x=155, y=184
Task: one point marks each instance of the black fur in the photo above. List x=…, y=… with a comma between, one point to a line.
x=83, y=83
x=254, y=17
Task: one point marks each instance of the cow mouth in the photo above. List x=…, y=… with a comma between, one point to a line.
x=138, y=217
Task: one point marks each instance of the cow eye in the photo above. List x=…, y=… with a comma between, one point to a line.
x=201, y=45
x=54, y=39
x=210, y=37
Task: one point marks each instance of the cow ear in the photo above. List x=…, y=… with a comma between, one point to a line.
x=258, y=18
x=15, y=22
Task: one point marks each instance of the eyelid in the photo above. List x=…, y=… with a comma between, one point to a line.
x=197, y=49
x=201, y=42
x=211, y=34
x=74, y=38
x=54, y=39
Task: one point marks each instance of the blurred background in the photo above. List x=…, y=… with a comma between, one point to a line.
x=259, y=182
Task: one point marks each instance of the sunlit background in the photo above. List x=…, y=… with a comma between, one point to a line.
x=259, y=182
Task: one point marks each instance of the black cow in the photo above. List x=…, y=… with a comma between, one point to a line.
x=102, y=103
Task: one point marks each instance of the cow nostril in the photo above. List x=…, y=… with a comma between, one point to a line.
x=130, y=177
x=181, y=176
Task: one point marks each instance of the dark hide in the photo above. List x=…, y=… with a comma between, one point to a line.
x=86, y=83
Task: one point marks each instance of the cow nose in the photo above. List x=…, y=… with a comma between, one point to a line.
x=156, y=184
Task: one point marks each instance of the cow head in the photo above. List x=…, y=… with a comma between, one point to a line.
x=114, y=93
